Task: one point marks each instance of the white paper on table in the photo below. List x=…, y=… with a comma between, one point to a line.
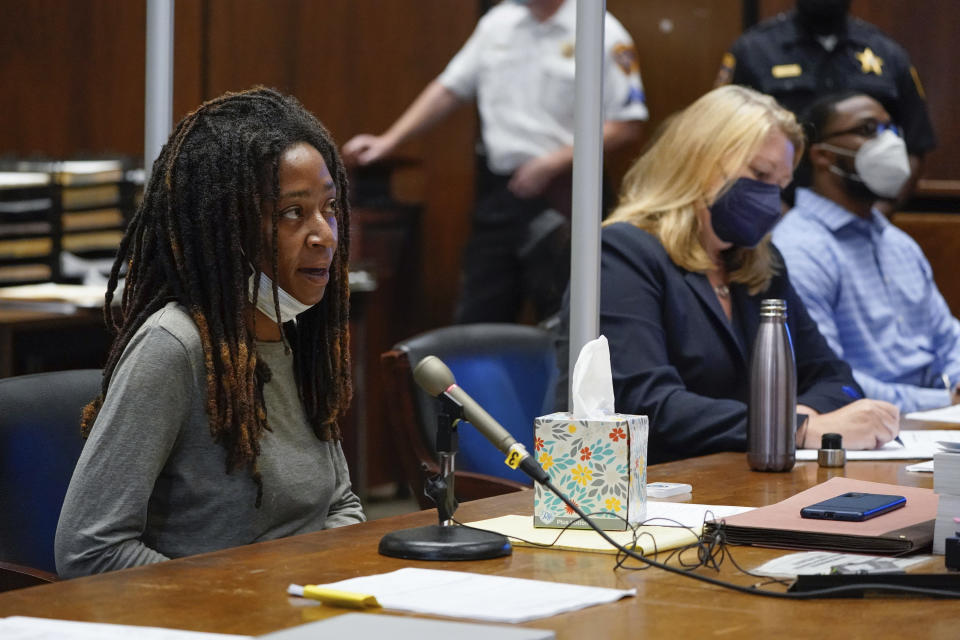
x=669, y=514
x=458, y=594
x=26, y=628
x=916, y=444
x=921, y=467
x=943, y=414
x=77, y=294
x=812, y=563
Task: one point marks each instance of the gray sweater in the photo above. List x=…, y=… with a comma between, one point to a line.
x=151, y=484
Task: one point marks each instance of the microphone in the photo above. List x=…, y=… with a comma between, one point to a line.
x=434, y=377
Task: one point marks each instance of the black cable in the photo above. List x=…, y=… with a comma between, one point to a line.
x=806, y=595
x=547, y=545
x=707, y=551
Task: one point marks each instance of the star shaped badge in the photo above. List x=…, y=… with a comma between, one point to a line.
x=870, y=62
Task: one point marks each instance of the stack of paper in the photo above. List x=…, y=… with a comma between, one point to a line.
x=457, y=594
x=946, y=483
x=365, y=625
x=915, y=444
x=78, y=295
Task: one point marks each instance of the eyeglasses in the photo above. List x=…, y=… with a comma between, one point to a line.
x=867, y=129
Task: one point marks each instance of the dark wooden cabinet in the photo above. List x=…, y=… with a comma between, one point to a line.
x=385, y=244
x=35, y=341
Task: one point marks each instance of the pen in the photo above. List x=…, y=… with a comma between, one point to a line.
x=946, y=385
x=853, y=393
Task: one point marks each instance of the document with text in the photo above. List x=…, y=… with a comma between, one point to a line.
x=458, y=594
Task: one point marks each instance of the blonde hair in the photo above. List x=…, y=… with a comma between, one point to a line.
x=691, y=161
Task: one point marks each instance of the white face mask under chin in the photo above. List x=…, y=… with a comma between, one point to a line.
x=881, y=163
x=290, y=307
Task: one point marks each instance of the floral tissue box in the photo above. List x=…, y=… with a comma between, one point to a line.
x=601, y=465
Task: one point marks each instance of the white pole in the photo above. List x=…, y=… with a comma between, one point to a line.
x=158, y=112
x=587, y=178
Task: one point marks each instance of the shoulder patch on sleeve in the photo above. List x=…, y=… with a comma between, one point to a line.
x=625, y=55
x=917, y=83
x=727, y=66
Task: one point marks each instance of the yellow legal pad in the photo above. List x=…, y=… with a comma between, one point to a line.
x=520, y=529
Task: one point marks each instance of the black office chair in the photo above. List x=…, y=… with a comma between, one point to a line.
x=509, y=369
x=39, y=446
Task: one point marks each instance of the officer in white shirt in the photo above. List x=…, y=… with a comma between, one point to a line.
x=519, y=66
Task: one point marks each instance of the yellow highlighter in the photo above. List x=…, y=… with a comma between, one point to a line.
x=334, y=597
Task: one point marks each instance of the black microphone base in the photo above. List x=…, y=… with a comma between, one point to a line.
x=444, y=543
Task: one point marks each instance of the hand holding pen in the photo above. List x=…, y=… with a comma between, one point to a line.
x=852, y=392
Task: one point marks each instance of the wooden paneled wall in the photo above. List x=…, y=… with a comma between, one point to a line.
x=938, y=235
x=73, y=79
x=679, y=44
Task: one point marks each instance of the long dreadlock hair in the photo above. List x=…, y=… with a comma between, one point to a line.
x=193, y=239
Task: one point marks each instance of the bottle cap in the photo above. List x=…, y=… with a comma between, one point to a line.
x=831, y=441
x=773, y=307
x=831, y=452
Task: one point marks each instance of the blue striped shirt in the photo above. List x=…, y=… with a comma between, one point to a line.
x=870, y=290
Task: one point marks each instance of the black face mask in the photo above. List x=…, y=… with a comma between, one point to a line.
x=823, y=17
x=746, y=212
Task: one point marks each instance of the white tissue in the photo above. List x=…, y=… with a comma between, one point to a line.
x=592, y=388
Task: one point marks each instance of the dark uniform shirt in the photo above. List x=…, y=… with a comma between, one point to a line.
x=781, y=58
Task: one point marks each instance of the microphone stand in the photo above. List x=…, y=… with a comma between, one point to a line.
x=440, y=488
x=445, y=541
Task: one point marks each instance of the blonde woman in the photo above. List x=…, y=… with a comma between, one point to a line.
x=687, y=259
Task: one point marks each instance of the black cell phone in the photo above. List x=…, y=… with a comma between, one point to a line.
x=853, y=507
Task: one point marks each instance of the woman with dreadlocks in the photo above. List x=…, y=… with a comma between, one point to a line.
x=216, y=424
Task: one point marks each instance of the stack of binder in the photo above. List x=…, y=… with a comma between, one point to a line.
x=27, y=216
x=92, y=215
x=87, y=206
x=946, y=484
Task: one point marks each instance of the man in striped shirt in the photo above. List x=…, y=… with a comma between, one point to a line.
x=866, y=283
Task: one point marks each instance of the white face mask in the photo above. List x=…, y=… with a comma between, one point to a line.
x=290, y=307
x=881, y=163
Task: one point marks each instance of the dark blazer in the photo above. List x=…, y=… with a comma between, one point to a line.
x=676, y=358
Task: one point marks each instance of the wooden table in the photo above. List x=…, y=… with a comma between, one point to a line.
x=242, y=590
